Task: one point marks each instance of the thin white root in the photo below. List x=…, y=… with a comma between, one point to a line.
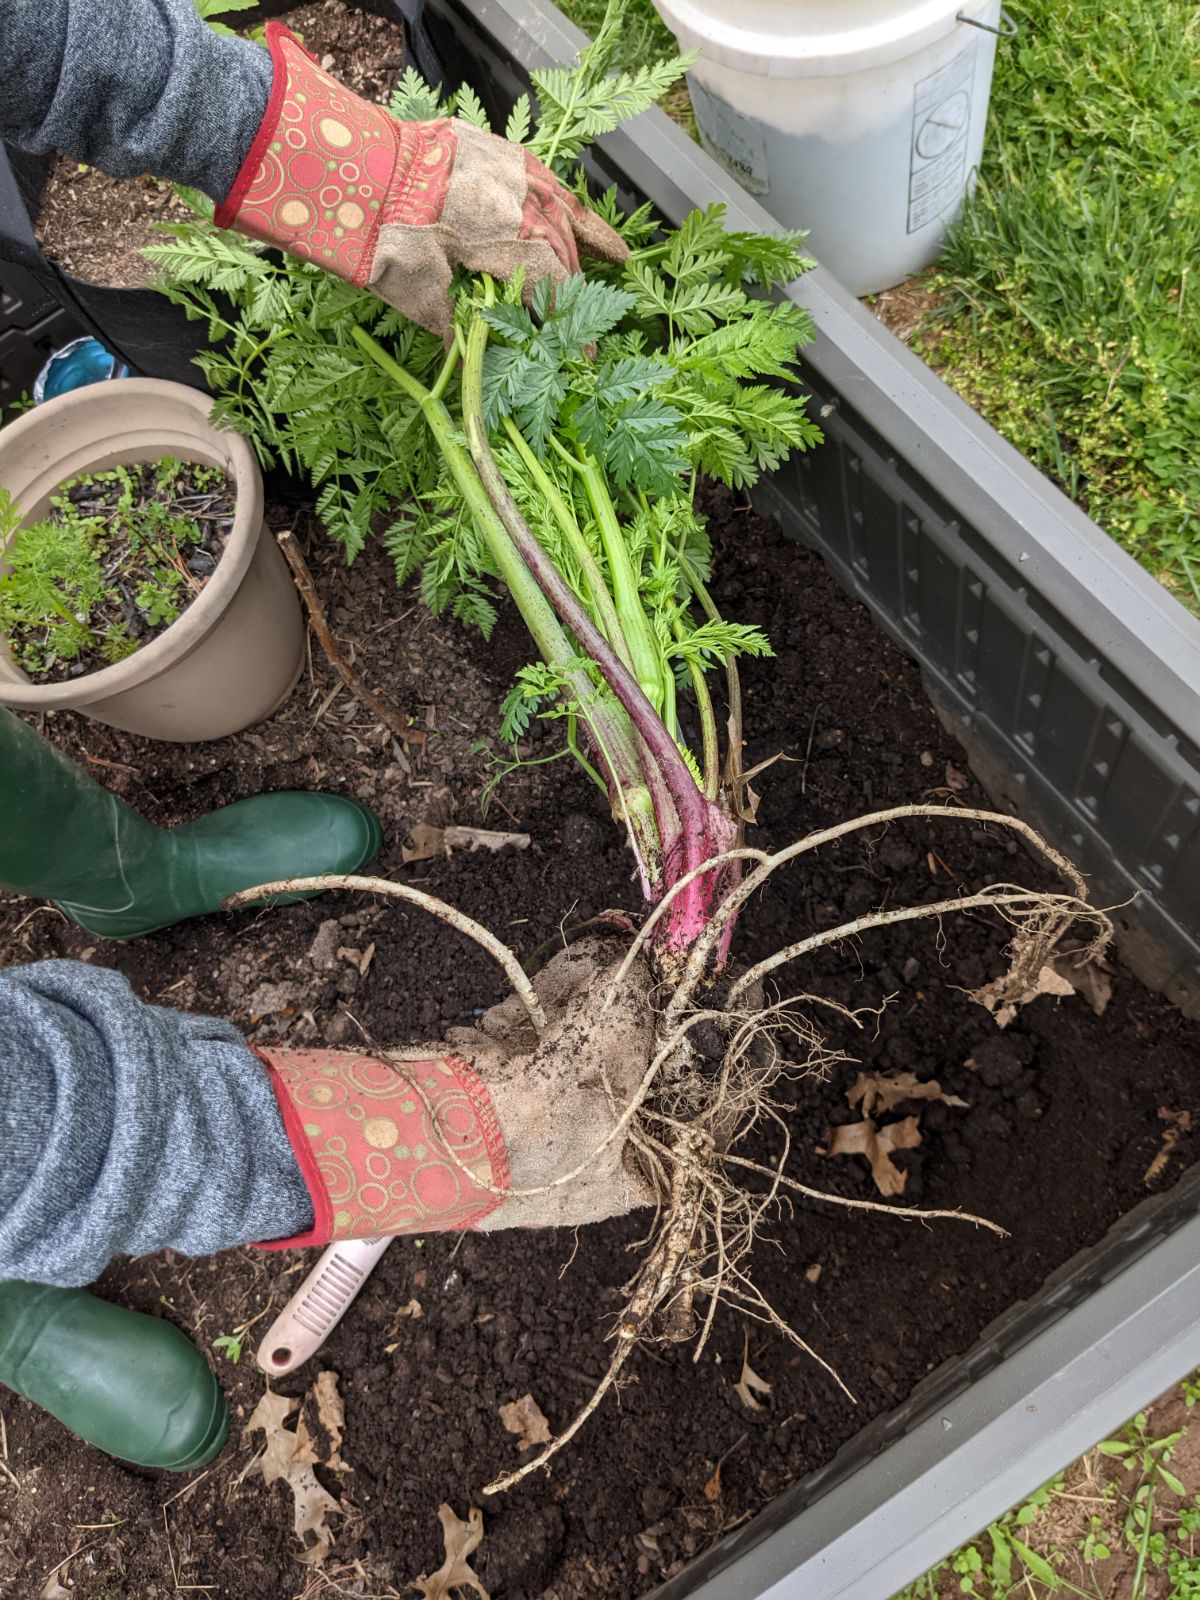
x=998, y=895
x=744, y=853
x=633, y=1105
x=702, y=950
x=626, y=1339
x=903, y=1213
x=427, y=902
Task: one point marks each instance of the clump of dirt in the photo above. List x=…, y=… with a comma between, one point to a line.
x=1060, y=1126
x=96, y=226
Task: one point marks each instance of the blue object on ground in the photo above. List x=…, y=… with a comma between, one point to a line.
x=77, y=364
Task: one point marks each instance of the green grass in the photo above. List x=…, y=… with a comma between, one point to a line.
x=644, y=37
x=1074, y=310
x=1071, y=311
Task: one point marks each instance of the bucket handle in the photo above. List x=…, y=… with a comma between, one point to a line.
x=1008, y=28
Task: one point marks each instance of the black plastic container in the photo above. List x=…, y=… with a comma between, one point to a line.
x=32, y=326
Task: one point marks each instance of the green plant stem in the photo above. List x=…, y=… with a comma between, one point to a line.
x=602, y=602
x=646, y=660
x=678, y=803
x=442, y=381
x=1135, y=1587
x=710, y=741
x=733, y=681
x=607, y=721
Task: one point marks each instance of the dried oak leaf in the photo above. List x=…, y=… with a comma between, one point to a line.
x=883, y=1091
x=426, y=842
x=1089, y=976
x=290, y=1455
x=750, y=1384
x=865, y=1139
x=460, y=1540
x=332, y=1415
x=524, y=1418
x=1005, y=995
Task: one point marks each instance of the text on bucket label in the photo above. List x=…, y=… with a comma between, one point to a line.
x=941, y=130
x=736, y=141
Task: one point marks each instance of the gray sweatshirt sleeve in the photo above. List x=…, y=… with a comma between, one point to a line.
x=126, y=1128
x=131, y=86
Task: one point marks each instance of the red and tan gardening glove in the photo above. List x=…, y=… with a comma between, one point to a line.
x=425, y=1141
x=394, y=206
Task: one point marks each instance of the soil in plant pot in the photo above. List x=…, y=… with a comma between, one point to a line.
x=118, y=558
x=1066, y=1113
x=96, y=226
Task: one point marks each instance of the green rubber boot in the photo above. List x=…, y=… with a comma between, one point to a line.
x=66, y=838
x=132, y=1385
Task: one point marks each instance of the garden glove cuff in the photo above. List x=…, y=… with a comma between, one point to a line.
x=395, y=206
x=426, y=1141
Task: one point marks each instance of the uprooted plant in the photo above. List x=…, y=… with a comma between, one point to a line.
x=554, y=448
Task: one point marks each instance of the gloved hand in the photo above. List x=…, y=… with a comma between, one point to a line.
x=394, y=206
x=421, y=1141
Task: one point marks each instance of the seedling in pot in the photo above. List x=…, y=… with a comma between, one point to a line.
x=118, y=558
x=553, y=449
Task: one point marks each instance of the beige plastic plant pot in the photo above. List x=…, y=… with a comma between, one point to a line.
x=236, y=652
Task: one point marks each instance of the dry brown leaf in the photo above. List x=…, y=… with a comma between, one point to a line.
x=53, y=1589
x=332, y=1415
x=361, y=959
x=460, y=1540
x=425, y=842
x=413, y=1309
x=524, y=1417
x=1005, y=995
x=865, y=1139
x=1178, y=1123
x=883, y=1091
x=750, y=1384
x=1089, y=977
x=712, y=1489
x=290, y=1455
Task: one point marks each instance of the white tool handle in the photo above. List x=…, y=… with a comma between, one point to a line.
x=319, y=1304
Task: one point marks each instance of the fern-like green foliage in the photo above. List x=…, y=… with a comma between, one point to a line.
x=213, y=10
x=635, y=376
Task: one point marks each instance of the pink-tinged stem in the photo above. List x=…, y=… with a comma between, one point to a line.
x=692, y=828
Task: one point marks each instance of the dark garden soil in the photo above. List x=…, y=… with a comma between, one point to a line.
x=1065, y=1115
x=97, y=226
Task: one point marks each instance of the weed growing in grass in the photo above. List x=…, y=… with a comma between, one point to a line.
x=1074, y=317
x=1147, y=1528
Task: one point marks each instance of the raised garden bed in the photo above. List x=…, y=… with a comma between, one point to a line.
x=1050, y=1146
x=969, y=562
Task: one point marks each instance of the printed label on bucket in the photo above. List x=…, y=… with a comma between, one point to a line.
x=731, y=138
x=941, y=129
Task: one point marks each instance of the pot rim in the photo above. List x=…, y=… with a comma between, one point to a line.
x=188, y=410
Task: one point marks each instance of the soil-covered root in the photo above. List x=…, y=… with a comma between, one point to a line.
x=690, y=1119
x=664, y=1118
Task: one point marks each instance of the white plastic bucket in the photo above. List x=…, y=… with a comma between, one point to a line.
x=860, y=120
